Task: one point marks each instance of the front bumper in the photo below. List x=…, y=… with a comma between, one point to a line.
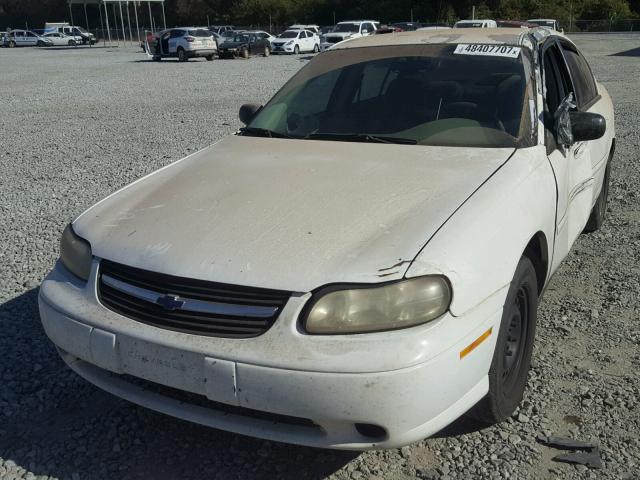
x=410, y=400
x=282, y=48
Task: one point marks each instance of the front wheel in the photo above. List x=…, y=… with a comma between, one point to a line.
x=316, y=48
x=296, y=50
x=599, y=211
x=209, y=58
x=245, y=53
x=267, y=51
x=512, y=354
x=182, y=56
x=40, y=43
x=72, y=43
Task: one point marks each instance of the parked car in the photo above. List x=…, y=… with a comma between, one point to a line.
x=80, y=34
x=346, y=30
x=25, y=38
x=392, y=292
x=326, y=29
x=183, y=43
x=475, y=24
x=313, y=28
x=220, y=29
x=514, y=24
x=296, y=41
x=434, y=26
x=59, y=39
x=546, y=22
x=244, y=45
x=407, y=26
x=263, y=35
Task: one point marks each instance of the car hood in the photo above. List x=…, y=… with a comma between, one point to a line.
x=288, y=214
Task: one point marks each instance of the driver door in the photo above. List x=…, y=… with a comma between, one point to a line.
x=571, y=163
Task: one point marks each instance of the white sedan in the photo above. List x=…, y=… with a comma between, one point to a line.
x=362, y=263
x=296, y=41
x=60, y=39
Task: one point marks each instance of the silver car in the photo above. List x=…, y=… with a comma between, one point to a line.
x=25, y=38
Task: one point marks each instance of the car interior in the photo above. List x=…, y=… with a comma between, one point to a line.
x=427, y=99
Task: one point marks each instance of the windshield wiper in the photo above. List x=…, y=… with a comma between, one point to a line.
x=263, y=132
x=361, y=137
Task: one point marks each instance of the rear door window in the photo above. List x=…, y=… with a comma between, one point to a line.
x=585, y=85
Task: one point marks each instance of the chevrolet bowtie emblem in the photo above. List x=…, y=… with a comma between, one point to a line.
x=170, y=302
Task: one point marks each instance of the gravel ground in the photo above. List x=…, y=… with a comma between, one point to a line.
x=77, y=124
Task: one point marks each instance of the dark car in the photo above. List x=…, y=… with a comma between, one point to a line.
x=406, y=26
x=244, y=45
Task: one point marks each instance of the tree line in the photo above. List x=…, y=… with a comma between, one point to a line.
x=18, y=13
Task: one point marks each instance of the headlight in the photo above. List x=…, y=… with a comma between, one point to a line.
x=368, y=309
x=290, y=42
x=75, y=253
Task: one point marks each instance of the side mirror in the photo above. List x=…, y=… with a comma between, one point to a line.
x=248, y=111
x=587, y=126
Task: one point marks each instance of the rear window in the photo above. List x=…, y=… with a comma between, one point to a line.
x=199, y=33
x=581, y=75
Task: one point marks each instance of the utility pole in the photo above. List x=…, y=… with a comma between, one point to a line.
x=473, y=12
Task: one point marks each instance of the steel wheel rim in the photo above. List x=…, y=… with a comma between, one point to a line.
x=516, y=338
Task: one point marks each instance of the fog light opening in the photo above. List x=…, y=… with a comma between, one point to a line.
x=370, y=430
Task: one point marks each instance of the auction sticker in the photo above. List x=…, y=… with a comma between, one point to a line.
x=487, y=50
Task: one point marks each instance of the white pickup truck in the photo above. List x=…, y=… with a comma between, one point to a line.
x=347, y=30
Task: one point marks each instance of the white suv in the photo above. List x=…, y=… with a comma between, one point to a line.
x=296, y=41
x=184, y=43
x=346, y=30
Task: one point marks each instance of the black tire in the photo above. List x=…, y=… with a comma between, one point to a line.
x=512, y=355
x=40, y=43
x=209, y=58
x=157, y=59
x=599, y=211
x=182, y=56
x=316, y=48
x=267, y=51
x=245, y=53
x=71, y=43
x=296, y=50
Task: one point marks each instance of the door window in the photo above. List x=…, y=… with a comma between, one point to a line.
x=585, y=85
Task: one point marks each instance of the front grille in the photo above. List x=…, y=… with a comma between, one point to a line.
x=188, y=305
x=334, y=39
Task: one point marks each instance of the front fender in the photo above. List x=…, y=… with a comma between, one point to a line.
x=479, y=246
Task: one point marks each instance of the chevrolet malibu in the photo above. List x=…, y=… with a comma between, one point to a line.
x=361, y=264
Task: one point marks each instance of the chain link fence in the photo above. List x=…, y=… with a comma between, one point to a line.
x=603, y=25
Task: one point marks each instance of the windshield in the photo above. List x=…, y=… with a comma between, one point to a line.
x=347, y=27
x=289, y=35
x=241, y=38
x=199, y=33
x=421, y=94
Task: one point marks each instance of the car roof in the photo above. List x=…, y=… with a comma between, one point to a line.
x=508, y=36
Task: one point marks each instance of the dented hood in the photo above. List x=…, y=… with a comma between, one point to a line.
x=288, y=214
